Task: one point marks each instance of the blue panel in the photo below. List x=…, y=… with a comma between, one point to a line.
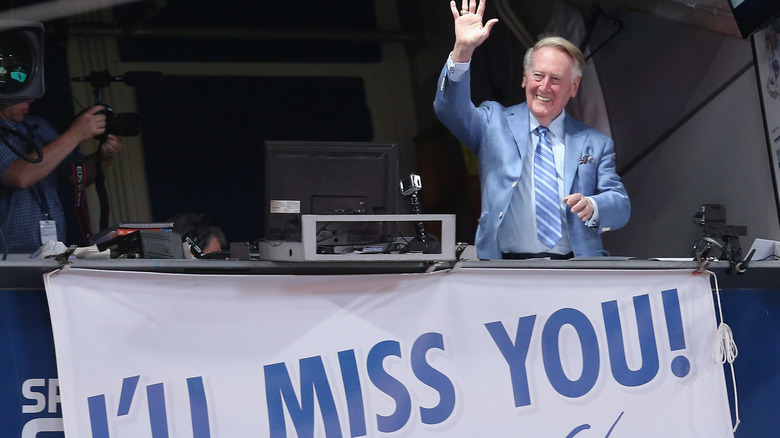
x=754, y=317
x=26, y=352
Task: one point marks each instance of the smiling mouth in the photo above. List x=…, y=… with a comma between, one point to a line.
x=543, y=99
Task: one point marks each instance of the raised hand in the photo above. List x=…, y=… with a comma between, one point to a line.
x=470, y=33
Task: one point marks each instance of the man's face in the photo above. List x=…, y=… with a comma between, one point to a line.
x=549, y=83
x=15, y=113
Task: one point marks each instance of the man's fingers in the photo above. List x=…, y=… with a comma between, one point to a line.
x=455, y=13
x=489, y=25
x=481, y=8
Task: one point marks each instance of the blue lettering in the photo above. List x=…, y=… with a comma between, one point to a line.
x=129, y=385
x=354, y=393
x=98, y=418
x=158, y=417
x=390, y=386
x=281, y=395
x=433, y=378
x=647, y=344
x=515, y=354
x=551, y=353
x=199, y=410
x=278, y=387
x=681, y=366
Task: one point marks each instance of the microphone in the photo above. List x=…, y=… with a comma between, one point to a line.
x=131, y=78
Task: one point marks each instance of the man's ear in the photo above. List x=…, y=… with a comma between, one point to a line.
x=575, y=86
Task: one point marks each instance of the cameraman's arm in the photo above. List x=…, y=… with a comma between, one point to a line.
x=22, y=174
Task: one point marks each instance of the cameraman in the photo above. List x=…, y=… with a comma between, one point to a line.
x=30, y=209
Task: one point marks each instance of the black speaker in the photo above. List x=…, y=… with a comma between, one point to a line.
x=21, y=61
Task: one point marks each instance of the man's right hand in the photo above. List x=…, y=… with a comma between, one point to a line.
x=470, y=33
x=89, y=123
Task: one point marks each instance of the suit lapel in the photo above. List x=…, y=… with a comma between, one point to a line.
x=519, y=125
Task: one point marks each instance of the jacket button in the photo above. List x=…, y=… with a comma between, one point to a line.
x=500, y=215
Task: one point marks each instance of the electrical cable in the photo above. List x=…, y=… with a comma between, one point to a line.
x=725, y=350
x=9, y=145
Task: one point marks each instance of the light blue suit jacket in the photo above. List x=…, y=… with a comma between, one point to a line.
x=498, y=135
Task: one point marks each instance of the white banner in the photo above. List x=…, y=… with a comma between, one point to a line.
x=469, y=353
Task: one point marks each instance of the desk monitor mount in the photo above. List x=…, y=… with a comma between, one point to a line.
x=423, y=242
x=437, y=250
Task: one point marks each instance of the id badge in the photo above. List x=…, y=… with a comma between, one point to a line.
x=48, y=229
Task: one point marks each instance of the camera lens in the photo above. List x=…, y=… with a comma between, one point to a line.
x=15, y=62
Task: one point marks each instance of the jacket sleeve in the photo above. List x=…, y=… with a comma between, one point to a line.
x=454, y=108
x=611, y=196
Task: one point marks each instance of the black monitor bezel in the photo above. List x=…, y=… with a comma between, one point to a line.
x=320, y=151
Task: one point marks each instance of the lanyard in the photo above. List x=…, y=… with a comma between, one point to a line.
x=40, y=198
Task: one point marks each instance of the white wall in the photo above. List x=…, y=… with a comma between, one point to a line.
x=658, y=77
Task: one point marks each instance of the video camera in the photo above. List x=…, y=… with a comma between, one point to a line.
x=21, y=74
x=21, y=61
x=712, y=219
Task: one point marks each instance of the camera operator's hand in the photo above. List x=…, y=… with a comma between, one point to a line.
x=23, y=174
x=110, y=147
x=89, y=123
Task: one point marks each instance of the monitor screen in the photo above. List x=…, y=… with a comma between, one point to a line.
x=752, y=15
x=330, y=178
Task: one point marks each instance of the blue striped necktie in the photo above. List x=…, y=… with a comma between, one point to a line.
x=548, y=213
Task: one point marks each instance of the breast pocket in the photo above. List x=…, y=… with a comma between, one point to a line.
x=587, y=179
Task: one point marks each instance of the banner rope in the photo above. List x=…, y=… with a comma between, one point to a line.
x=726, y=349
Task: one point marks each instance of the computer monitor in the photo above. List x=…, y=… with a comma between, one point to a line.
x=303, y=177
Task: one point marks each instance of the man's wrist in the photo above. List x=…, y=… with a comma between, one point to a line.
x=461, y=54
x=457, y=69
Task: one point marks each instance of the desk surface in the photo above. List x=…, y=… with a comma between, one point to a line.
x=28, y=273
